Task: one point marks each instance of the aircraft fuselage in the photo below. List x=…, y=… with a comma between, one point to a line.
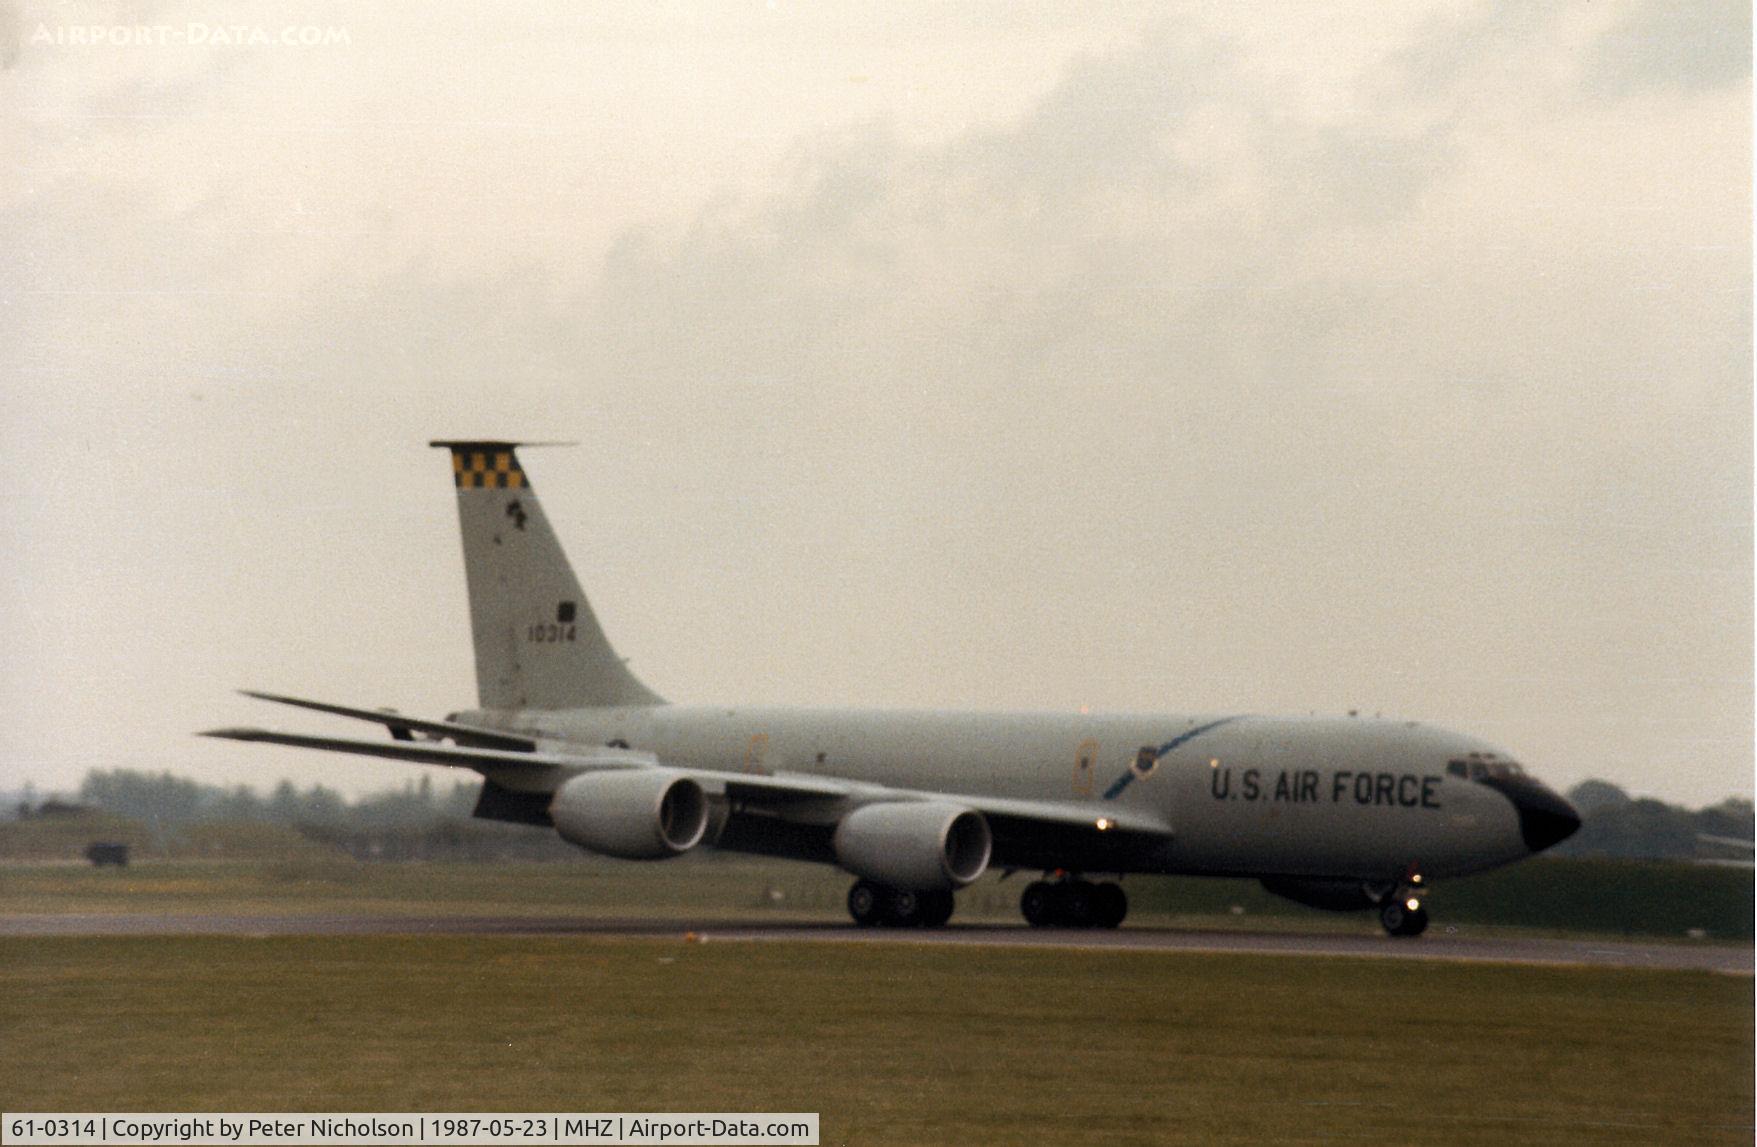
x=1341, y=797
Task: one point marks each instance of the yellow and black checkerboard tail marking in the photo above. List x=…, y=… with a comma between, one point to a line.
x=538, y=644
x=486, y=466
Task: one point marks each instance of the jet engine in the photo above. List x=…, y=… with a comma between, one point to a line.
x=636, y=814
x=919, y=846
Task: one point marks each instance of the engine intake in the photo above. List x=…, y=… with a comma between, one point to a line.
x=636, y=814
x=915, y=845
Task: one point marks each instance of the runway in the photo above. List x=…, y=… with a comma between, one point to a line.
x=1434, y=946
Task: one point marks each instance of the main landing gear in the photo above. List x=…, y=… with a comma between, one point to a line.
x=874, y=905
x=1073, y=904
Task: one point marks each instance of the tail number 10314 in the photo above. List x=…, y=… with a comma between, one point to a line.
x=543, y=633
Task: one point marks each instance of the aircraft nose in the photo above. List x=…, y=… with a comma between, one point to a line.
x=1545, y=818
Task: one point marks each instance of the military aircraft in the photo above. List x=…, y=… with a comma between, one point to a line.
x=1343, y=813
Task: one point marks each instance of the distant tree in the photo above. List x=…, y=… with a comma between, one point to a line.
x=1590, y=795
x=1635, y=828
x=461, y=800
x=405, y=808
x=322, y=805
x=1731, y=818
x=283, y=803
x=239, y=803
x=163, y=801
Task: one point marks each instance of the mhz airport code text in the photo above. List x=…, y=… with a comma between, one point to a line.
x=421, y=1129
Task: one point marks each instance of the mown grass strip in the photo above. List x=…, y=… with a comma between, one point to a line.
x=893, y=1044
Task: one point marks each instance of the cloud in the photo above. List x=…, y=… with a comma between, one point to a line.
x=11, y=33
x=1239, y=368
x=1679, y=47
x=1377, y=385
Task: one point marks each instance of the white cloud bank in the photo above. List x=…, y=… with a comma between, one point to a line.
x=1171, y=363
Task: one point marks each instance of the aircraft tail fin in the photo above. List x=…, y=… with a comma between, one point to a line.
x=538, y=644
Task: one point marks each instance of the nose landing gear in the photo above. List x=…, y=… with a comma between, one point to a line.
x=1403, y=914
x=1073, y=903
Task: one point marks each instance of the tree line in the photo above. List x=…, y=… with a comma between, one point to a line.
x=417, y=820
x=168, y=801
x=1613, y=823
x=420, y=818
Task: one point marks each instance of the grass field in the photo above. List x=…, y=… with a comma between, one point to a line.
x=892, y=1044
x=1619, y=898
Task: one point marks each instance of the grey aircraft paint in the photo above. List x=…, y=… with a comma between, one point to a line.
x=1337, y=811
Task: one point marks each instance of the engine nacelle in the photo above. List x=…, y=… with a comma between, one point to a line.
x=915, y=845
x=636, y=814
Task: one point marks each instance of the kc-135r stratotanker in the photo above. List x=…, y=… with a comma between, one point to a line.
x=1340, y=813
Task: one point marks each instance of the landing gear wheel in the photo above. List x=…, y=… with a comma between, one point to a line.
x=904, y=909
x=1037, y=904
x=1399, y=919
x=936, y=908
x=1077, y=899
x=1073, y=904
x=866, y=903
x=1109, y=905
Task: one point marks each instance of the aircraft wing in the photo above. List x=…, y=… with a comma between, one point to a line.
x=1027, y=833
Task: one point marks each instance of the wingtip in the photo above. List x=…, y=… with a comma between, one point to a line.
x=233, y=733
x=491, y=443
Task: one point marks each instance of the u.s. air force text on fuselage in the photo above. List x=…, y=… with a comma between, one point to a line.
x=1406, y=790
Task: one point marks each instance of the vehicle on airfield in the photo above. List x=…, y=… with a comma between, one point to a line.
x=1342, y=813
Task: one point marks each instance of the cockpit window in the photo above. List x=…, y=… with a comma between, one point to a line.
x=1485, y=767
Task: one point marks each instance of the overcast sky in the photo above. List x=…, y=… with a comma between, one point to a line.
x=1267, y=359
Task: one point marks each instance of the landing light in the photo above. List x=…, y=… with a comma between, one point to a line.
x=1104, y=824
x=1412, y=904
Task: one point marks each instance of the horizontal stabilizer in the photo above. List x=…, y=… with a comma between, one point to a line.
x=497, y=761
x=400, y=726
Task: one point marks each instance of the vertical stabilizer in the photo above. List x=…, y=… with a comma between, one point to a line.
x=538, y=646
